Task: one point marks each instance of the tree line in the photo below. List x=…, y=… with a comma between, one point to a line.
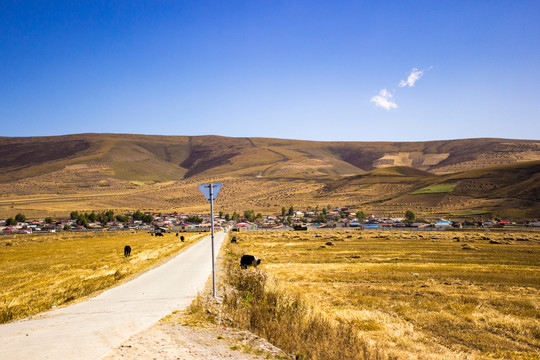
x=104, y=217
x=84, y=219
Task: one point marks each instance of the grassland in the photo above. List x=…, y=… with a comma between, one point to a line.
x=42, y=271
x=435, y=189
x=429, y=295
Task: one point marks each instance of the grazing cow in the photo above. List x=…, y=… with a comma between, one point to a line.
x=249, y=260
x=176, y=234
x=127, y=251
x=234, y=240
x=182, y=238
x=159, y=234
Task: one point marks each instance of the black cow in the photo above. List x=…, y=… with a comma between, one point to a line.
x=127, y=251
x=249, y=260
x=234, y=240
x=176, y=234
x=159, y=234
x=182, y=238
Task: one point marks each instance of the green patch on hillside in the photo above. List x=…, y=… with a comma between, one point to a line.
x=435, y=189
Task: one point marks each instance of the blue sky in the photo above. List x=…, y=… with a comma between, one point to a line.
x=314, y=70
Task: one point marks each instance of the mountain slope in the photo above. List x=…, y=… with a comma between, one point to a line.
x=122, y=171
x=511, y=189
x=165, y=158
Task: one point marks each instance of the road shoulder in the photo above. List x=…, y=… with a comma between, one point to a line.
x=173, y=338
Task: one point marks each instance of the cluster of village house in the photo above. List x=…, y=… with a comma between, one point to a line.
x=178, y=222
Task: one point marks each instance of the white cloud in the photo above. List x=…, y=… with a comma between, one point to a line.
x=413, y=77
x=383, y=100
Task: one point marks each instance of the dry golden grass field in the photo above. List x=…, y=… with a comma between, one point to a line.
x=236, y=195
x=40, y=271
x=415, y=295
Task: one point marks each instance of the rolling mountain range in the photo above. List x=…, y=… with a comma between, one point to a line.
x=468, y=176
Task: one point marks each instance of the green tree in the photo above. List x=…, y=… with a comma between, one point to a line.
x=147, y=218
x=291, y=211
x=289, y=220
x=122, y=218
x=259, y=218
x=105, y=217
x=194, y=219
x=227, y=217
x=10, y=221
x=74, y=215
x=342, y=214
x=321, y=218
x=82, y=220
x=360, y=215
x=109, y=215
x=249, y=215
x=410, y=216
x=221, y=214
x=324, y=211
x=92, y=217
x=137, y=215
x=48, y=220
x=20, y=217
x=283, y=211
x=67, y=227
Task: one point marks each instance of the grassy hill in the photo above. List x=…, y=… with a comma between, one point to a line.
x=163, y=158
x=121, y=171
x=511, y=190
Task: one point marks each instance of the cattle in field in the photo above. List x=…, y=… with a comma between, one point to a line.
x=127, y=251
x=182, y=238
x=234, y=240
x=249, y=260
x=159, y=234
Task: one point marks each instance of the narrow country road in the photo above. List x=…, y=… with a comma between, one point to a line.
x=88, y=330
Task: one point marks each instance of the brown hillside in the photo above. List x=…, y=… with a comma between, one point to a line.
x=45, y=175
x=163, y=158
x=507, y=190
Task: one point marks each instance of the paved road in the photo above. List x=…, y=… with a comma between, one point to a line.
x=88, y=330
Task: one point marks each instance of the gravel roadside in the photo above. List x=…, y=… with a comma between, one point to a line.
x=172, y=339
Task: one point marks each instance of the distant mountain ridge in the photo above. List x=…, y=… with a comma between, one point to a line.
x=165, y=158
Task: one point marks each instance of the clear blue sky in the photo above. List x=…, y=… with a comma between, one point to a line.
x=316, y=70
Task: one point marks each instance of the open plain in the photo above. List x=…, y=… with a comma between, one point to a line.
x=43, y=271
x=428, y=295
x=89, y=329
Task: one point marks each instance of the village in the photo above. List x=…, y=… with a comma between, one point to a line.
x=289, y=220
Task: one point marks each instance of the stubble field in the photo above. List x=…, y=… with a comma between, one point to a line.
x=429, y=295
x=42, y=271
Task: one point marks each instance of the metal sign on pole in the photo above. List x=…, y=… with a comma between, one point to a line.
x=210, y=191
